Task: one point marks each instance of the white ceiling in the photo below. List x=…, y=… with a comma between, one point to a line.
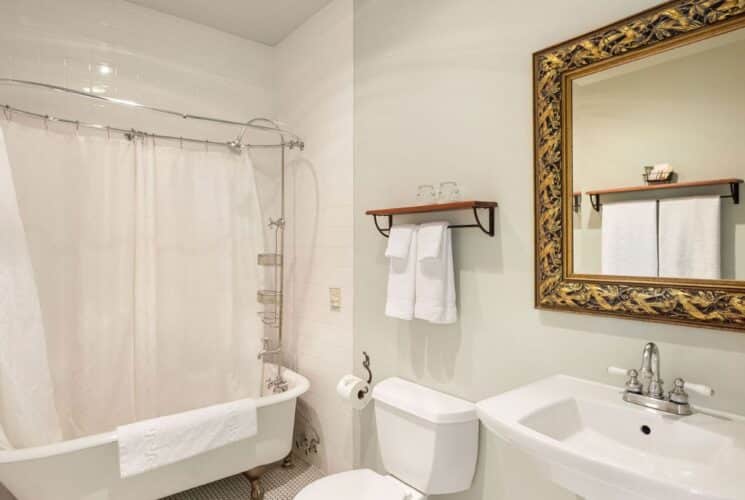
x=265, y=21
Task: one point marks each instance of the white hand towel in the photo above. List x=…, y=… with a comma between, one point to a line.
x=629, y=238
x=690, y=237
x=153, y=443
x=399, y=241
x=435, y=281
x=402, y=274
x=429, y=240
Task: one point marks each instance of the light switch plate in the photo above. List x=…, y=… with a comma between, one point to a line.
x=335, y=299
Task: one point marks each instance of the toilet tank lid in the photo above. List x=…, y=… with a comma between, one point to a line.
x=424, y=402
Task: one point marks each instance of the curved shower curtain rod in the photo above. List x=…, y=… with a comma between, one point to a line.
x=287, y=138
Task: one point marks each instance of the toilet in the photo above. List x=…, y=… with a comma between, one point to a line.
x=428, y=442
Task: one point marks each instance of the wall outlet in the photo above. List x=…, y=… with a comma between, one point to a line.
x=335, y=299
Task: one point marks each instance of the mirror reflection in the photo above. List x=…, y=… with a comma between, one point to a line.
x=658, y=154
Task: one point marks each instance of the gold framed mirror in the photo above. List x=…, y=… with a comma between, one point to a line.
x=639, y=160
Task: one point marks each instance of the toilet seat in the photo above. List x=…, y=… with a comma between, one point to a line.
x=362, y=484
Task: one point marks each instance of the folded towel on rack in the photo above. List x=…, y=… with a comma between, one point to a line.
x=435, y=276
x=149, y=444
x=429, y=240
x=629, y=238
x=690, y=237
x=399, y=241
x=402, y=245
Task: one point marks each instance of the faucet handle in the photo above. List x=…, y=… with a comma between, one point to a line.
x=623, y=372
x=679, y=394
x=632, y=384
x=703, y=390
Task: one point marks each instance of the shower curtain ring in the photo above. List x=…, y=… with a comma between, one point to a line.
x=206, y=146
x=8, y=112
x=108, y=132
x=46, y=123
x=181, y=142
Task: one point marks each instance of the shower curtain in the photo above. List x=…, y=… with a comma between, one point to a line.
x=144, y=258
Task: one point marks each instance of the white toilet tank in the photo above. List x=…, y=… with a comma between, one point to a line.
x=428, y=440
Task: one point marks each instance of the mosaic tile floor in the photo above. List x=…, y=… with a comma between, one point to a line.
x=279, y=483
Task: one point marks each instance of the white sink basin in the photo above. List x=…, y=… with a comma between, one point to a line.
x=590, y=441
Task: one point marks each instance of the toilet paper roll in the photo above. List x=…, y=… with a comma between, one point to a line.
x=354, y=391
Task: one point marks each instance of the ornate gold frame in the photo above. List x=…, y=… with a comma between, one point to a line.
x=706, y=303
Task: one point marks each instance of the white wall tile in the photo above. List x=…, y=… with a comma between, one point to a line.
x=307, y=81
x=314, y=78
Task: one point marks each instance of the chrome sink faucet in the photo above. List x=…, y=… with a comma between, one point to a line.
x=650, y=372
x=650, y=391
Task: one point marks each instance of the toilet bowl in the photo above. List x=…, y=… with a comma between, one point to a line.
x=428, y=441
x=361, y=484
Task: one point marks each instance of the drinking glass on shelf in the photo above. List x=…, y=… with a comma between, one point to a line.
x=449, y=192
x=426, y=195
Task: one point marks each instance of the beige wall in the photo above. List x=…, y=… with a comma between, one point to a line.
x=443, y=92
x=684, y=111
x=314, y=93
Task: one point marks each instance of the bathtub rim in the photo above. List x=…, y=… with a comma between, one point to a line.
x=298, y=385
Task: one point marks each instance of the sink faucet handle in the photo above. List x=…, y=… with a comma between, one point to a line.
x=679, y=394
x=703, y=390
x=623, y=372
x=632, y=384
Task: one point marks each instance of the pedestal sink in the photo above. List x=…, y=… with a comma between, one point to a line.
x=588, y=440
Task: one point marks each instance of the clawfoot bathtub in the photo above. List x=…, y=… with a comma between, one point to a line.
x=88, y=468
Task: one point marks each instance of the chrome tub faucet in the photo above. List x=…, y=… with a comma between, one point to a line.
x=265, y=351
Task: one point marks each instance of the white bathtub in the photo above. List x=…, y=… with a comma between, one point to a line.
x=88, y=468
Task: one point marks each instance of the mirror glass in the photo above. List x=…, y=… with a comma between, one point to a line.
x=666, y=135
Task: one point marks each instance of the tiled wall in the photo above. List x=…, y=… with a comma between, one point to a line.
x=314, y=79
x=142, y=55
x=306, y=81
x=152, y=58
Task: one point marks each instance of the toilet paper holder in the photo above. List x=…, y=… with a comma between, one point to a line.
x=366, y=366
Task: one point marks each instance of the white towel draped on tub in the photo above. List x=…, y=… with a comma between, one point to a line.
x=690, y=237
x=435, y=277
x=629, y=238
x=153, y=443
x=402, y=272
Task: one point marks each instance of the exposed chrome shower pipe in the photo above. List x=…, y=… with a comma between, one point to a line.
x=278, y=384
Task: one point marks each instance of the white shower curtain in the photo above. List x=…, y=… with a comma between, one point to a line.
x=26, y=396
x=144, y=257
x=198, y=233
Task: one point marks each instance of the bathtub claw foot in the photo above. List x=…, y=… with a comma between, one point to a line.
x=254, y=477
x=257, y=489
